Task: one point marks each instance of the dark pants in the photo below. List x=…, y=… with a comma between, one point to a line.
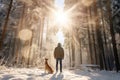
x=59, y=60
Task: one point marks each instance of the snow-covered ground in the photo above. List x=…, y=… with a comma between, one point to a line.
x=38, y=74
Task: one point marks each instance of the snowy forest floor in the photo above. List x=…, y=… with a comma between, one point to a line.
x=38, y=74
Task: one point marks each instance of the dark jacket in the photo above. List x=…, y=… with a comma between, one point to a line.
x=59, y=52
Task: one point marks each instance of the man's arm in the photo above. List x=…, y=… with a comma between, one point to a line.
x=63, y=52
x=55, y=53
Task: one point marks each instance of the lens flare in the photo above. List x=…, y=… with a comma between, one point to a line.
x=25, y=34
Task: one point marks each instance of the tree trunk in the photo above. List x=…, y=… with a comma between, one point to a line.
x=5, y=25
x=92, y=36
x=117, y=63
x=80, y=51
x=17, y=41
x=73, y=54
x=99, y=38
x=104, y=36
x=89, y=36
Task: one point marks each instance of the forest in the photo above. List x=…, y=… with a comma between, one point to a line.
x=90, y=34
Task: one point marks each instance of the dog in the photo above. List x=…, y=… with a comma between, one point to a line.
x=47, y=67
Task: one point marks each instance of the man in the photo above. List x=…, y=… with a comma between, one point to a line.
x=59, y=56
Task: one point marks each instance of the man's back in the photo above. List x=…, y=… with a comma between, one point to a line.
x=59, y=52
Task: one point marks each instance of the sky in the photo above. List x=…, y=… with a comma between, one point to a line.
x=59, y=3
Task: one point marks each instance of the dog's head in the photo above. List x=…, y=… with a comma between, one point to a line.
x=46, y=59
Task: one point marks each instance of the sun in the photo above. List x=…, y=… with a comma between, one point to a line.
x=61, y=17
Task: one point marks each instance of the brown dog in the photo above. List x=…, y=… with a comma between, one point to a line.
x=47, y=67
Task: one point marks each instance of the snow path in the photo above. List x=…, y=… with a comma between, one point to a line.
x=38, y=74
